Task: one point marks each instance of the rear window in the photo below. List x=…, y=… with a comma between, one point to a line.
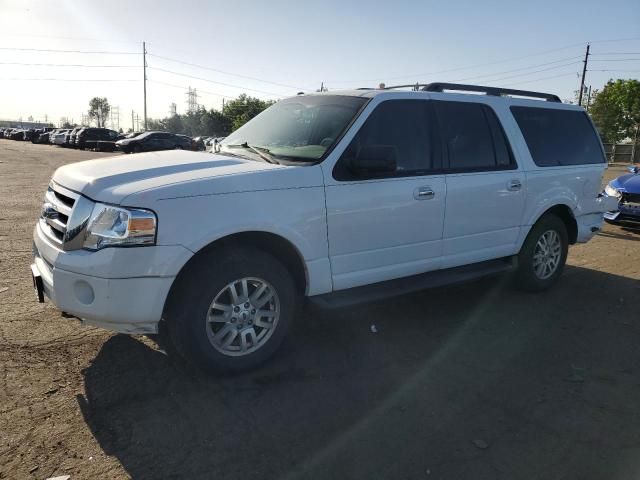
x=559, y=137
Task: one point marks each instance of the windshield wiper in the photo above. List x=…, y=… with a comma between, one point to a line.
x=262, y=152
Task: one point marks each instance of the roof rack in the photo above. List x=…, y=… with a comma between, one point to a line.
x=494, y=91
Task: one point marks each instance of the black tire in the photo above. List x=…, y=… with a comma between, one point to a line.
x=198, y=286
x=136, y=149
x=178, y=147
x=526, y=277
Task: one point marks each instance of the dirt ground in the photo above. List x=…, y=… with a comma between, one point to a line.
x=474, y=381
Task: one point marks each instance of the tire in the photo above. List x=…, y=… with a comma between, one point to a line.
x=178, y=147
x=535, y=275
x=136, y=149
x=207, y=281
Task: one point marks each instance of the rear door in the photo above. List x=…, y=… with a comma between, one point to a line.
x=385, y=226
x=485, y=187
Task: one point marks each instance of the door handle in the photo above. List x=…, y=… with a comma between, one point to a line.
x=514, y=185
x=424, y=193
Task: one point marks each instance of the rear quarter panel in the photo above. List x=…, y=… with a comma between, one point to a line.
x=575, y=186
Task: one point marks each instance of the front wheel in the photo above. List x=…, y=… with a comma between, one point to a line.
x=231, y=309
x=543, y=255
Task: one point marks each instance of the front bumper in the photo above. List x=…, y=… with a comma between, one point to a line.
x=123, y=290
x=625, y=211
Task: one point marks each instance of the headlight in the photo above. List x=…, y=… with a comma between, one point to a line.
x=612, y=192
x=114, y=226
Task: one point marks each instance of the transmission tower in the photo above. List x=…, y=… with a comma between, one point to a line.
x=192, y=100
x=114, y=118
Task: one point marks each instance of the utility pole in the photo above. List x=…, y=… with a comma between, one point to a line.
x=589, y=98
x=144, y=70
x=584, y=72
x=133, y=125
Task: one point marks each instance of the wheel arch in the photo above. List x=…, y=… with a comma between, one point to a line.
x=276, y=245
x=565, y=213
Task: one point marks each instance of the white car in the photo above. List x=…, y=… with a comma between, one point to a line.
x=59, y=137
x=340, y=197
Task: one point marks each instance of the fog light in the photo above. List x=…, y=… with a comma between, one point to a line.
x=84, y=292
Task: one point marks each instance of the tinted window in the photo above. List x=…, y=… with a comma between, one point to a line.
x=472, y=136
x=401, y=124
x=558, y=137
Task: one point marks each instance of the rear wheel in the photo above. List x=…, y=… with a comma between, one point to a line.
x=232, y=309
x=543, y=255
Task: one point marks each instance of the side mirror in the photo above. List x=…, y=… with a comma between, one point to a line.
x=375, y=159
x=633, y=169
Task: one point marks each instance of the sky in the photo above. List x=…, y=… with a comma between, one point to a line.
x=274, y=49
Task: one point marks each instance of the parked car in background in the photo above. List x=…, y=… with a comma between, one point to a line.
x=70, y=139
x=153, y=141
x=17, y=134
x=198, y=143
x=42, y=135
x=626, y=189
x=132, y=134
x=59, y=138
x=88, y=137
x=28, y=134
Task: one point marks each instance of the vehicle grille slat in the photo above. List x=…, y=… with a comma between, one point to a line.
x=57, y=210
x=53, y=199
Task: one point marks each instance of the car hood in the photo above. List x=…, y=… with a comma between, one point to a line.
x=629, y=182
x=172, y=174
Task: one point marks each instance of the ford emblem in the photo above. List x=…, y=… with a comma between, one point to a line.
x=49, y=211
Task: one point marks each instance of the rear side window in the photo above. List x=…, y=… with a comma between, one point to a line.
x=473, y=137
x=558, y=137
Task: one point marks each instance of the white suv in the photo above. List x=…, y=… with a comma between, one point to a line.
x=340, y=197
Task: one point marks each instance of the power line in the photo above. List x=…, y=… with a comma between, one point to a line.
x=67, y=65
x=51, y=50
x=213, y=81
x=182, y=87
x=247, y=77
x=468, y=66
x=617, y=60
x=544, y=78
x=520, y=69
x=566, y=47
x=521, y=74
x=615, y=70
x=616, y=53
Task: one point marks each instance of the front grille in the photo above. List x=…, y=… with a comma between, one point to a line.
x=56, y=211
x=631, y=198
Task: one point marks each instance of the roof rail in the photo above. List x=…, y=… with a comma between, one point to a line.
x=494, y=91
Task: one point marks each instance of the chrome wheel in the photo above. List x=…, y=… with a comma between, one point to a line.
x=243, y=316
x=547, y=254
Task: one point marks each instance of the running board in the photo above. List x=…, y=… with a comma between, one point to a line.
x=423, y=281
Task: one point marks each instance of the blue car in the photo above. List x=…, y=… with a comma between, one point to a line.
x=627, y=189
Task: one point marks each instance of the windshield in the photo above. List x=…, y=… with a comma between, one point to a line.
x=300, y=128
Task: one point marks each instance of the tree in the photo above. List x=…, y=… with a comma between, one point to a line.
x=616, y=110
x=99, y=110
x=212, y=122
x=243, y=109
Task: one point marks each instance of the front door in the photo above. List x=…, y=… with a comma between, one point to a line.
x=385, y=225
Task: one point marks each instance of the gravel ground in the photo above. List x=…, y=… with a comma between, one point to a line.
x=475, y=381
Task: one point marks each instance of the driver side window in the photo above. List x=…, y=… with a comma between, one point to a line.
x=401, y=126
